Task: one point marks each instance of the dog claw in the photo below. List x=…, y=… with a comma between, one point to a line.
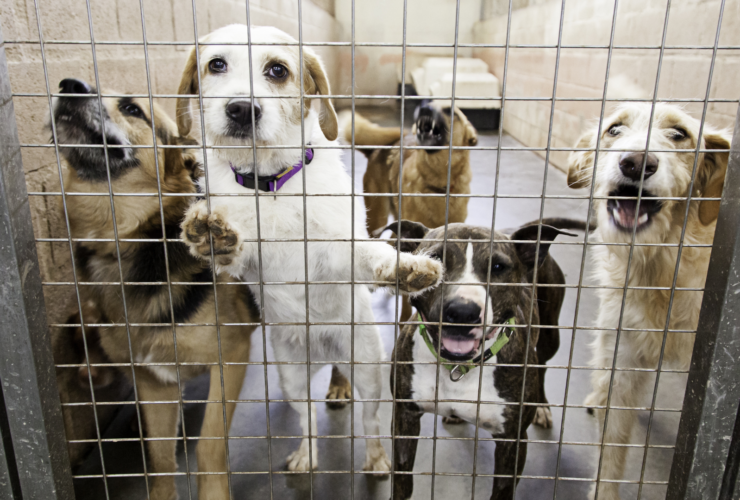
x=339, y=388
x=199, y=228
x=298, y=460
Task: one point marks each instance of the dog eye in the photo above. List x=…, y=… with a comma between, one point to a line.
x=277, y=71
x=678, y=134
x=132, y=110
x=217, y=66
x=497, y=267
x=614, y=129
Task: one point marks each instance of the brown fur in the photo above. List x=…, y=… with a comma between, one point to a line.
x=140, y=218
x=424, y=172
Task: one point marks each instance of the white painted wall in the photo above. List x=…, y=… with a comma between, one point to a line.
x=428, y=21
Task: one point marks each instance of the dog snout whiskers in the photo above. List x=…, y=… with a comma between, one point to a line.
x=631, y=165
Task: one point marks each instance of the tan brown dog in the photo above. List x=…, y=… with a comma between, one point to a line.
x=424, y=170
x=200, y=347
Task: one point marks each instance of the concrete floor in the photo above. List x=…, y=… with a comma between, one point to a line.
x=521, y=173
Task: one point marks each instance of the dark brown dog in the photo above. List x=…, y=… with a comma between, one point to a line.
x=462, y=303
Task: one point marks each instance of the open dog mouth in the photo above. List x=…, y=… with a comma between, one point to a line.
x=431, y=129
x=624, y=212
x=462, y=343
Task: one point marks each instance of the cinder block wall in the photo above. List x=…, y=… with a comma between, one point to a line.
x=121, y=68
x=684, y=73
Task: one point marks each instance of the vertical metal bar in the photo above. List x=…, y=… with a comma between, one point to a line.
x=114, y=222
x=680, y=250
x=26, y=364
x=166, y=250
x=537, y=245
x=476, y=438
x=352, y=288
x=581, y=272
x=631, y=251
x=444, y=244
x=259, y=254
x=305, y=246
x=713, y=388
x=57, y=157
x=396, y=324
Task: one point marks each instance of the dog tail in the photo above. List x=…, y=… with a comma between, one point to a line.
x=565, y=223
x=367, y=133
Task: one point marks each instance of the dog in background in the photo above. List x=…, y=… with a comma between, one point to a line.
x=622, y=165
x=74, y=382
x=465, y=303
x=425, y=171
x=232, y=223
x=127, y=122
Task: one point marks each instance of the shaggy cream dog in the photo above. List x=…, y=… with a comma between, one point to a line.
x=659, y=221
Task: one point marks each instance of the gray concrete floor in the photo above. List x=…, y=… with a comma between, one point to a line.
x=521, y=173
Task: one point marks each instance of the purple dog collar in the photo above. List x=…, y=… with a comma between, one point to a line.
x=270, y=183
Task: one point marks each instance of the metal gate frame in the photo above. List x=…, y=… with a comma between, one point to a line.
x=33, y=457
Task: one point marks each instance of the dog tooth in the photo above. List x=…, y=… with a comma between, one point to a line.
x=643, y=219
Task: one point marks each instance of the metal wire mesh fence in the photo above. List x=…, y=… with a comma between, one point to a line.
x=202, y=320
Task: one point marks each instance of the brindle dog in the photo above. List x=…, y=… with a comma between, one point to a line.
x=127, y=122
x=463, y=303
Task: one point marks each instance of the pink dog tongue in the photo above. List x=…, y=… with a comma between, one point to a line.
x=459, y=346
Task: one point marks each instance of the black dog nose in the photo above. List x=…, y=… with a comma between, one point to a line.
x=241, y=111
x=631, y=165
x=74, y=86
x=463, y=312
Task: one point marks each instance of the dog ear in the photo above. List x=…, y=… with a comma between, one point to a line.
x=188, y=85
x=713, y=170
x=409, y=229
x=316, y=83
x=581, y=163
x=470, y=135
x=526, y=250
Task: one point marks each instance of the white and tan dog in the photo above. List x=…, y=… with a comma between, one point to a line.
x=274, y=118
x=667, y=175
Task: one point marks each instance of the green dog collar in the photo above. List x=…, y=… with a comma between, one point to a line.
x=458, y=371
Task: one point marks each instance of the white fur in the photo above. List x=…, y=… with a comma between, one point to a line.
x=283, y=217
x=651, y=266
x=425, y=378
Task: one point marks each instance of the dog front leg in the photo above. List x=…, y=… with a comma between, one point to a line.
x=626, y=392
x=504, y=459
x=212, y=456
x=367, y=381
x=381, y=263
x=407, y=422
x=160, y=421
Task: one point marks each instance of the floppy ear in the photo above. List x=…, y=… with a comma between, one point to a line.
x=188, y=85
x=713, y=170
x=316, y=83
x=409, y=229
x=581, y=163
x=470, y=136
x=526, y=250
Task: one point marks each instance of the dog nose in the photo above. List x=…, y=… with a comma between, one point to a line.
x=463, y=312
x=631, y=165
x=74, y=86
x=240, y=110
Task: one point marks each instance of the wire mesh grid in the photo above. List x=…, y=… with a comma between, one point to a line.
x=273, y=464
